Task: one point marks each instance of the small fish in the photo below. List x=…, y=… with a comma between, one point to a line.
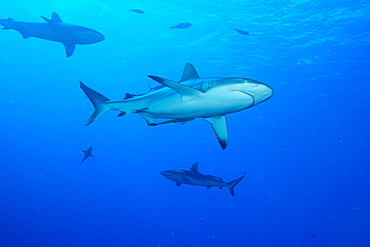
x=241, y=31
x=312, y=235
x=182, y=25
x=88, y=153
x=137, y=11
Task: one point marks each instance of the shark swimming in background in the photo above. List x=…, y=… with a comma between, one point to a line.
x=192, y=176
x=182, y=25
x=55, y=30
x=210, y=98
x=88, y=153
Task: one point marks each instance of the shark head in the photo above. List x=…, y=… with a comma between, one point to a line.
x=257, y=90
x=174, y=174
x=84, y=35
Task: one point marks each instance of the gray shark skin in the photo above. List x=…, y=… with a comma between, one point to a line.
x=55, y=30
x=87, y=154
x=193, y=97
x=193, y=177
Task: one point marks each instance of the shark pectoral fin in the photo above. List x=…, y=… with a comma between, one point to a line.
x=83, y=152
x=149, y=119
x=25, y=34
x=189, y=73
x=178, y=183
x=208, y=186
x=220, y=128
x=70, y=48
x=92, y=156
x=187, y=93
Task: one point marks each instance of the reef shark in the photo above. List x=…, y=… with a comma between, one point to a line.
x=87, y=154
x=192, y=176
x=55, y=30
x=192, y=97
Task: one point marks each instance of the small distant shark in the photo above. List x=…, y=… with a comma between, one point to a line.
x=241, y=31
x=182, y=25
x=88, y=153
x=193, y=97
x=55, y=30
x=137, y=11
x=193, y=177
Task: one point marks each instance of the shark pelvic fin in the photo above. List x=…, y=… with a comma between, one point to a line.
x=194, y=167
x=220, y=128
x=25, y=34
x=55, y=17
x=70, y=48
x=189, y=73
x=187, y=93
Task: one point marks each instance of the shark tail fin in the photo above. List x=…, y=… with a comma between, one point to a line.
x=99, y=101
x=231, y=185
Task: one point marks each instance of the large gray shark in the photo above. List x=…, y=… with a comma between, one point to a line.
x=192, y=176
x=55, y=30
x=193, y=97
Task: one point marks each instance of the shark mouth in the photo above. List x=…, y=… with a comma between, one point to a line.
x=254, y=100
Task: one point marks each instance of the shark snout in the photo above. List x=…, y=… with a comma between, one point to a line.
x=260, y=92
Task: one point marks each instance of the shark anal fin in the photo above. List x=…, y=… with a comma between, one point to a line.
x=187, y=93
x=70, y=48
x=178, y=183
x=122, y=113
x=220, y=128
x=189, y=73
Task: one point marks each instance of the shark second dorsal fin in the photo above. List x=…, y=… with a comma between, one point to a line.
x=128, y=96
x=194, y=168
x=219, y=127
x=189, y=73
x=55, y=17
x=187, y=93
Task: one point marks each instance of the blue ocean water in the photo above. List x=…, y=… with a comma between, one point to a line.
x=305, y=150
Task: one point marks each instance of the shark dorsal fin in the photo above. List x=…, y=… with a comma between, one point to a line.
x=219, y=127
x=194, y=168
x=189, y=73
x=55, y=17
x=187, y=93
x=52, y=23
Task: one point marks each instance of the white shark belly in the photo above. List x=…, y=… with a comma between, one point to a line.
x=211, y=103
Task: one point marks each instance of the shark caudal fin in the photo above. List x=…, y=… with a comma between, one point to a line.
x=99, y=101
x=231, y=185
